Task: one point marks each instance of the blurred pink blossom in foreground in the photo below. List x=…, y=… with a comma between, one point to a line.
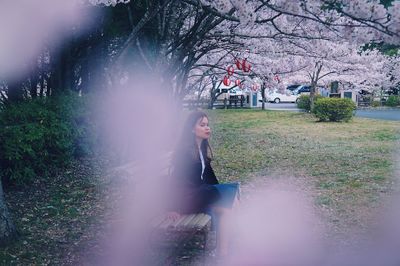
x=275, y=226
x=27, y=26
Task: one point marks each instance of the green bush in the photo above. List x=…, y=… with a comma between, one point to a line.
x=393, y=100
x=304, y=103
x=40, y=135
x=334, y=109
x=376, y=103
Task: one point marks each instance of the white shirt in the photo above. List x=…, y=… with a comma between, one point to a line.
x=203, y=165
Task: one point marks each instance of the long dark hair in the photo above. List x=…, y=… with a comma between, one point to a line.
x=187, y=141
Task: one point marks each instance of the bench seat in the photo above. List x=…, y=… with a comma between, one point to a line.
x=176, y=235
x=188, y=222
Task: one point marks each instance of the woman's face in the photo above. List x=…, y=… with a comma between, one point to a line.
x=201, y=129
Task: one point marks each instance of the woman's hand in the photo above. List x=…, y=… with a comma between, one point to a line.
x=174, y=216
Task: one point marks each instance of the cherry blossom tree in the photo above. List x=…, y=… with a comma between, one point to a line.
x=329, y=53
x=292, y=40
x=358, y=19
x=393, y=67
x=238, y=25
x=343, y=62
x=306, y=61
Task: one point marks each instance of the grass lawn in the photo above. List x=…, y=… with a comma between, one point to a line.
x=349, y=168
x=337, y=155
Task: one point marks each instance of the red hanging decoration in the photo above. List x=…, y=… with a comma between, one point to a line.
x=254, y=87
x=238, y=63
x=230, y=70
x=226, y=81
x=238, y=82
x=277, y=79
x=246, y=66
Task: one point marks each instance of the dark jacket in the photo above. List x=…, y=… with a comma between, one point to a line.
x=193, y=194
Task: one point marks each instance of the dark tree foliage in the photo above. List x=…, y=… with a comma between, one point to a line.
x=142, y=35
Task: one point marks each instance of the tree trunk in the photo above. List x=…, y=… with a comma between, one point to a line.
x=7, y=228
x=314, y=80
x=84, y=72
x=97, y=63
x=15, y=91
x=41, y=83
x=263, y=96
x=61, y=75
x=214, y=94
x=312, y=96
x=33, y=82
x=212, y=98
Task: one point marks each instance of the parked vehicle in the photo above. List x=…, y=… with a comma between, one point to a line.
x=292, y=87
x=303, y=89
x=289, y=96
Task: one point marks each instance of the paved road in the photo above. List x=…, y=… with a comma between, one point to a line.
x=384, y=114
x=282, y=107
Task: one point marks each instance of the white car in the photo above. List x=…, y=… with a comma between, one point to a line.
x=277, y=97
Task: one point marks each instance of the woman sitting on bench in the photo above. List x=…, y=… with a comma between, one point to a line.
x=196, y=187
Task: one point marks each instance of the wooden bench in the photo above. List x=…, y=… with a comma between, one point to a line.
x=166, y=232
x=188, y=222
x=175, y=235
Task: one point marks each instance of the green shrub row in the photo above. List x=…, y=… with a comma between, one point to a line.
x=40, y=135
x=334, y=109
x=303, y=102
x=328, y=109
x=393, y=101
x=376, y=103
